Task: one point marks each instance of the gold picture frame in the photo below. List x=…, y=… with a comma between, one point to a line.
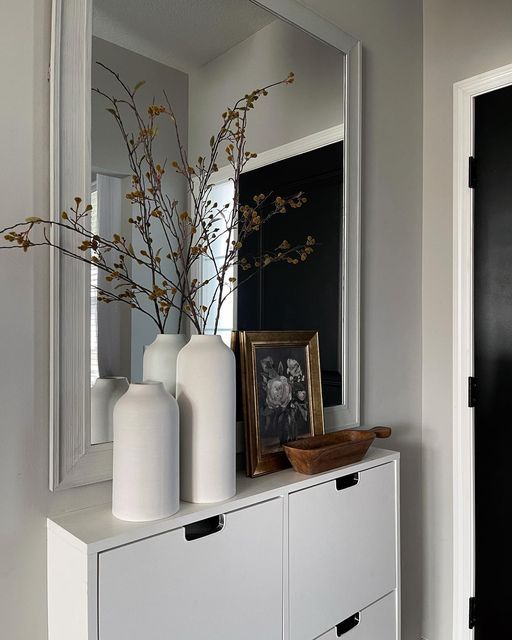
x=282, y=394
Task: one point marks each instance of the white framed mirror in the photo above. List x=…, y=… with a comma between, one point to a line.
x=191, y=45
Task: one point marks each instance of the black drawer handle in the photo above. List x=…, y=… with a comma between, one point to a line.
x=347, y=481
x=204, y=528
x=348, y=624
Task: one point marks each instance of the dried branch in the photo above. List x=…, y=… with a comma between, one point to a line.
x=188, y=236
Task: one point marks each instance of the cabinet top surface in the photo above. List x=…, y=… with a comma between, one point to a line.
x=95, y=529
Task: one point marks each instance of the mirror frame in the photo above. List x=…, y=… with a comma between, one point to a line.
x=73, y=460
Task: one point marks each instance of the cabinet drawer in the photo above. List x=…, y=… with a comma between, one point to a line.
x=376, y=622
x=225, y=585
x=342, y=537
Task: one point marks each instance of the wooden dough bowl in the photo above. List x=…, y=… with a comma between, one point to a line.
x=322, y=453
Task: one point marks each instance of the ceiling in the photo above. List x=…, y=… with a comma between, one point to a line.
x=184, y=34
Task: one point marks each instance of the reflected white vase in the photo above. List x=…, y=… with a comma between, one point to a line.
x=159, y=361
x=104, y=394
x=145, y=478
x=206, y=396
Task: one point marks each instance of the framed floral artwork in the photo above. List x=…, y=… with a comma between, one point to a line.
x=282, y=394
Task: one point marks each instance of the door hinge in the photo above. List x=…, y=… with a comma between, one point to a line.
x=471, y=392
x=471, y=172
x=472, y=612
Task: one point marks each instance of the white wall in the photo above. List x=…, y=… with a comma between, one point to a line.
x=25, y=500
x=391, y=33
x=462, y=38
x=312, y=103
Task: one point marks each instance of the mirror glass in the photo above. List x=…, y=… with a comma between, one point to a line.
x=206, y=55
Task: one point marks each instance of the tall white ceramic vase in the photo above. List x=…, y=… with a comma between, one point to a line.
x=159, y=361
x=206, y=397
x=146, y=454
x=104, y=394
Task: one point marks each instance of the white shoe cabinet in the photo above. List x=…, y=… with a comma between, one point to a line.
x=289, y=557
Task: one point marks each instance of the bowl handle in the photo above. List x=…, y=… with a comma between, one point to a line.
x=381, y=432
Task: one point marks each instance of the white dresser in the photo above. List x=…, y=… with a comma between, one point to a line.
x=289, y=557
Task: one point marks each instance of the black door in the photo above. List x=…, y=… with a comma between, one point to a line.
x=308, y=295
x=493, y=362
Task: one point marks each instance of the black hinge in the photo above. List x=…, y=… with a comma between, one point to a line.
x=471, y=392
x=472, y=173
x=472, y=613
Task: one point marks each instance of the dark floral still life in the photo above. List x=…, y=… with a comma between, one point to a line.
x=283, y=399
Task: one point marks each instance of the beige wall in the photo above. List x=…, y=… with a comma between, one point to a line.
x=462, y=38
x=25, y=500
x=391, y=33
x=314, y=102
x=108, y=150
x=391, y=287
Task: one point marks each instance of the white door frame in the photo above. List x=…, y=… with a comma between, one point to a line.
x=463, y=361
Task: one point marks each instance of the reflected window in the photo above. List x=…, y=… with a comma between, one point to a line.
x=110, y=324
x=95, y=371
x=222, y=193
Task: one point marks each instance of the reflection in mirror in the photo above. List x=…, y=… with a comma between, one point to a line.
x=205, y=55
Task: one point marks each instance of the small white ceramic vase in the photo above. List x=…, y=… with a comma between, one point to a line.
x=159, y=361
x=104, y=394
x=206, y=397
x=145, y=483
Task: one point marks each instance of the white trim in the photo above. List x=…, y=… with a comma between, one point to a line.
x=54, y=75
x=289, y=150
x=463, y=418
x=74, y=461
x=351, y=312
x=298, y=15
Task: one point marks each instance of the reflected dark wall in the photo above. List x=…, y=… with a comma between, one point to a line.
x=307, y=295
